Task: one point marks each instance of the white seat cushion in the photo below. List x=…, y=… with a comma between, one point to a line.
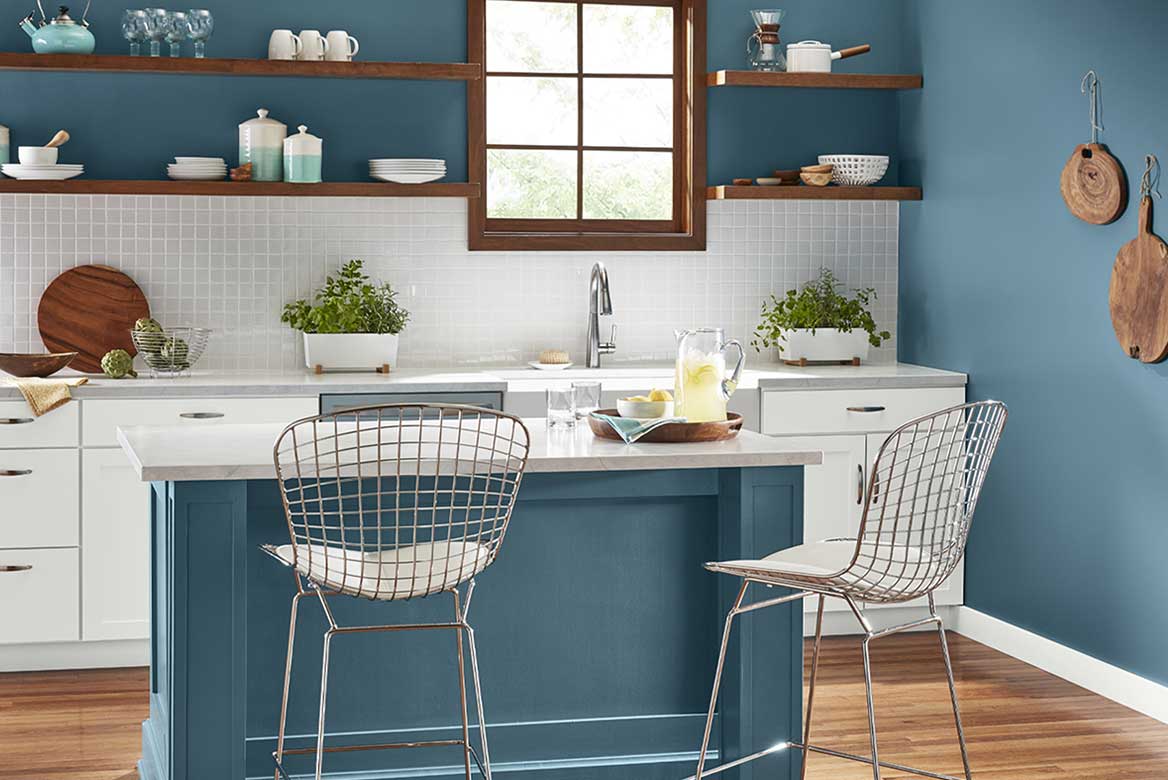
x=398, y=573
x=817, y=559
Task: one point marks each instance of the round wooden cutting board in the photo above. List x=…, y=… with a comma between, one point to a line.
x=90, y=310
x=1139, y=293
x=1094, y=185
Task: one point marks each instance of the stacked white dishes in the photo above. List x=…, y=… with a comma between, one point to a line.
x=407, y=171
x=42, y=172
x=197, y=169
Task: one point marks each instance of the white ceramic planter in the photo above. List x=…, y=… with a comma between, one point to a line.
x=826, y=344
x=350, y=351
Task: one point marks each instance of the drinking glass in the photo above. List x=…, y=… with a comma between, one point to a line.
x=200, y=25
x=134, y=29
x=561, y=407
x=586, y=398
x=176, y=31
x=156, y=27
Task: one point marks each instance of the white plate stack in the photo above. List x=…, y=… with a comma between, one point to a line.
x=197, y=169
x=407, y=171
x=42, y=172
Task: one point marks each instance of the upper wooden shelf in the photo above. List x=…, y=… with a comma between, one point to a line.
x=369, y=189
x=759, y=78
x=802, y=192
x=109, y=63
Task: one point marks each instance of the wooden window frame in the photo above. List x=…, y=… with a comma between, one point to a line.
x=685, y=232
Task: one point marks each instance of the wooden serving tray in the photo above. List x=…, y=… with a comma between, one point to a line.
x=673, y=433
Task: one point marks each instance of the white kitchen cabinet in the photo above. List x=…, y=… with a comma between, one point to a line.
x=38, y=595
x=20, y=428
x=115, y=548
x=38, y=498
x=101, y=418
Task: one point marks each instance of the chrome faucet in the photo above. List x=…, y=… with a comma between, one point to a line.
x=599, y=302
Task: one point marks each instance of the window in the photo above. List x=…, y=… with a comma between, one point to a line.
x=587, y=129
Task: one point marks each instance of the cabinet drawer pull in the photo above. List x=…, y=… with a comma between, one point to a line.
x=14, y=569
x=201, y=415
x=866, y=409
x=860, y=485
x=16, y=420
x=15, y=472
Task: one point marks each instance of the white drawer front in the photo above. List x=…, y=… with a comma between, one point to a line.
x=41, y=603
x=805, y=412
x=39, y=491
x=19, y=428
x=101, y=419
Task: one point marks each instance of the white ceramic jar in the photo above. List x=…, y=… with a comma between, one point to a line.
x=261, y=143
x=809, y=57
x=302, y=157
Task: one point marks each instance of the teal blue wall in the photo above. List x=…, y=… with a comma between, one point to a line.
x=129, y=126
x=999, y=280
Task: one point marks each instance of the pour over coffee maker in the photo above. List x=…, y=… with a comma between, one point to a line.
x=763, y=47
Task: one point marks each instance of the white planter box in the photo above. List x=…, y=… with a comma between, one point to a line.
x=825, y=344
x=350, y=351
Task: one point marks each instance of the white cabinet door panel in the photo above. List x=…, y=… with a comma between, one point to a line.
x=39, y=498
x=19, y=428
x=101, y=419
x=38, y=596
x=801, y=412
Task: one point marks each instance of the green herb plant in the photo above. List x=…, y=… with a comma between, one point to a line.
x=817, y=305
x=348, y=303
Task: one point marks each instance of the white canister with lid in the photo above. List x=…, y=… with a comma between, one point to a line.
x=302, y=157
x=261, y=143
x=816, y=57
x=4, y=150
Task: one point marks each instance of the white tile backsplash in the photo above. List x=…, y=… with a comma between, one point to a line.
x=231, y=264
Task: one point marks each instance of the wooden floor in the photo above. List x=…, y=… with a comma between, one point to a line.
x=1022, y=724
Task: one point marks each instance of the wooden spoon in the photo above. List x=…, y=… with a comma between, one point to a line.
x=60, y=139
x=1139, y=293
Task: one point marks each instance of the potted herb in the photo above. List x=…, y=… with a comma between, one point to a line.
x=818, y=324
x=352, y=323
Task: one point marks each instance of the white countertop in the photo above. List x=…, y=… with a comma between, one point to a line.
x=768, y=376
x=237, y=452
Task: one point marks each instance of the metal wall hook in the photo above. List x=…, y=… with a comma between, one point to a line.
x=1090, y=86
x=1150, y=183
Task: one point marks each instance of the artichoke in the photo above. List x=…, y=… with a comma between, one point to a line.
x=147, y=325
x=175, y=352
x=117, y=364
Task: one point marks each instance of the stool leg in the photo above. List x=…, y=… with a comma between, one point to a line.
x=718, y=680
x=462, y=687
x=287, y=685
x=474, y=672
x=324, y=668
x=871, y=708
x=953, y=697
x=811, y=687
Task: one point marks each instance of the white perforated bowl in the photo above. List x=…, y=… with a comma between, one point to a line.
x=856, y=170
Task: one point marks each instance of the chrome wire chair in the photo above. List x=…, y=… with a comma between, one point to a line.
x=390, y=503
x=920, y=501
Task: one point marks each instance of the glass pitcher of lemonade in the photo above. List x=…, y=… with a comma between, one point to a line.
x=701, y=385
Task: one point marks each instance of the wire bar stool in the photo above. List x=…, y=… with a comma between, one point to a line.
x=924, y=488
x=390, y=503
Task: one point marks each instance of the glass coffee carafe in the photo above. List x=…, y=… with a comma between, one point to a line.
x=701, y=384
x=763, y=47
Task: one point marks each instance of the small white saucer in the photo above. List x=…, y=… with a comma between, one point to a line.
x=549, y=366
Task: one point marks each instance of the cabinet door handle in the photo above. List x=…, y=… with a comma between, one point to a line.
x=201, y=415
x=859, y=485
x=14, y=569
x=16, y=420
x=866, y=409
x=15, y=472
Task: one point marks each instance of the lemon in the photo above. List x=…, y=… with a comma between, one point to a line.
x=638, y=399
x=660, y=395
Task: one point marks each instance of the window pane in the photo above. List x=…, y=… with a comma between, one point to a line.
x=628, y=112
x=628, y=39
x=628, y=185
x=531, y=111
x=527, y=184
x=531, y=37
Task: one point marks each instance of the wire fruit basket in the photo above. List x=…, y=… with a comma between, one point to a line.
x=856, y=170
x=171, y=352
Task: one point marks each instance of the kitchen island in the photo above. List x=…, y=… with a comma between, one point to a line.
x=597, y=627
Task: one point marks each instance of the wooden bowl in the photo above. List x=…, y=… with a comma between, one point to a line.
x=816, y=179
x=826, y=168
x=787, y=177
x=42, y=365
x=672, y=433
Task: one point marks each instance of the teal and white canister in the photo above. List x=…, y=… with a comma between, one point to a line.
x=4, y=158
x=261, y=143
x=302, y=156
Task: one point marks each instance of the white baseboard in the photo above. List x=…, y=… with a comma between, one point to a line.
x=74, y=655
x=1111, y=682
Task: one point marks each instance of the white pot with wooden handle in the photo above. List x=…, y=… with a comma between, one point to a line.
x=817, y=57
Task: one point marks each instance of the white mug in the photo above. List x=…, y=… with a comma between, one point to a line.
x=284, y=45
x=342, y=47
x=313, y=46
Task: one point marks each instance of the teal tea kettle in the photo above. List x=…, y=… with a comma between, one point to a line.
x=61, y=35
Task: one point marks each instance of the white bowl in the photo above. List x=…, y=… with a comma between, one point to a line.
x=644, y=410
x=38, y=155
x=856, y=170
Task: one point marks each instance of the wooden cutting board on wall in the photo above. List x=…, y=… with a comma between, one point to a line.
x=90, y=310
x=1139, y=293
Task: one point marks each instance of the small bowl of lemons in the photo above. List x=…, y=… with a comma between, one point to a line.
x=658, y=404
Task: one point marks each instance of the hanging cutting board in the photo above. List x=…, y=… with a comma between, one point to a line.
x=1139, y=293
x=1094, y=185
x=90, y=310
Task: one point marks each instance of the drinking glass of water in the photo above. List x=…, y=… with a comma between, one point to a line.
x=586, y=396
x=561, y=407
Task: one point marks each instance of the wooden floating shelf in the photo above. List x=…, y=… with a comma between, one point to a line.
x=758, y=78
x=242, y=189
x=801, y=192
x=109, y=63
